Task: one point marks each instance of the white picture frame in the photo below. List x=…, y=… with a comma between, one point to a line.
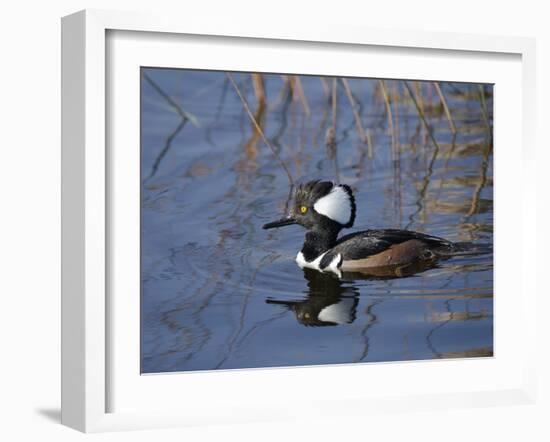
x=87, y=356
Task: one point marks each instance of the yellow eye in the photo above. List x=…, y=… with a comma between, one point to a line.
x=303, y=209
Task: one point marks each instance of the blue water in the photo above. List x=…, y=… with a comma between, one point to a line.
x=218, y=292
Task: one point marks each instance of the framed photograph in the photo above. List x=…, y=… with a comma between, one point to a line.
x=291, y=222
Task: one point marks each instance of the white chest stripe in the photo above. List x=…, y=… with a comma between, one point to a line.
x=333, y=266
x=301, y=260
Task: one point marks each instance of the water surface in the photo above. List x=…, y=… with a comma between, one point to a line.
x=218, y=292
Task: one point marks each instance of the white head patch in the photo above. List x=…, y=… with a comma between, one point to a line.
x=336, y=205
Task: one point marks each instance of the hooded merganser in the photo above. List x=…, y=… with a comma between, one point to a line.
x=324, y=208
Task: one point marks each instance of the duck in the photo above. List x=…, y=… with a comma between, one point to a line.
x=325, y=208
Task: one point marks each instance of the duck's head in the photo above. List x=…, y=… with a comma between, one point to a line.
x=320, y=204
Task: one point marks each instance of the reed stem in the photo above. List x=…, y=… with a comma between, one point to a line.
x=390, y=115
x=334, y=105
x=445, y=108
x=356, y=115
x=259, y=129
x=173, y=104
x=370, y=150
x=422, y=116
x=185, y=117
x=301, y=94
x=483, y=106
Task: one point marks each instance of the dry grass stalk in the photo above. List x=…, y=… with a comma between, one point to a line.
x=330, y=138
x=356, y=115
x=474, y=206
x=334, y=104
x=285, y=90
x=185, y=117
x=395, y=102
x=370, y=150
x=299, y=91
x=445, y=108
x=326, y=87
x=483, y=105
x=259, y=88
x=389, y=113
x=173, y=104
x=259, y=129
x=421, y=113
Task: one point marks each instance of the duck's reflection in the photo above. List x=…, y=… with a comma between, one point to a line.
x=328, y=301
x=332, y=299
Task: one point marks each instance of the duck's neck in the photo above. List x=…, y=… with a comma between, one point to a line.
x=318, y=242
